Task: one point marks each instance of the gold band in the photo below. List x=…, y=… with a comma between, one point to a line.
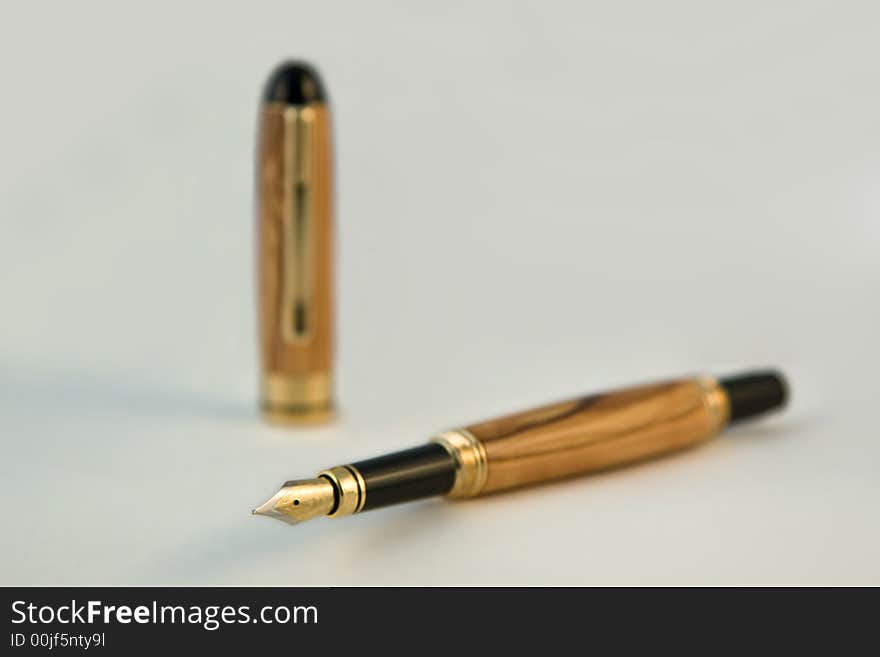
x=350, y=487
x=471, y=466
x=297, y=399
x=716, y=401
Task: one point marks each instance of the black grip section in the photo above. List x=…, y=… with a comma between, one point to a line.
x=407, y=475
x=755, y=393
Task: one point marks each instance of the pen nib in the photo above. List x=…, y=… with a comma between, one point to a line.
x=299, y=500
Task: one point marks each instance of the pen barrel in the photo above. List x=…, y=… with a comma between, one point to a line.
x=597, y=432
x=295, y=260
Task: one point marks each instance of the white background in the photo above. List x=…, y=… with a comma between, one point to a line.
x=535, y=201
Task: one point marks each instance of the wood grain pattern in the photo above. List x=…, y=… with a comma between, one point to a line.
x=280, y=354
x=599, y=432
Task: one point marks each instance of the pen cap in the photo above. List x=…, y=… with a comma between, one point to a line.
x=295, y=261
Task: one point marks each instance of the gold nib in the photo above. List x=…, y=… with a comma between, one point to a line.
x=299, y=500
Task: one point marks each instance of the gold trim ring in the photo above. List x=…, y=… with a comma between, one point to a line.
x=350, y=487
x=471, y=466
x=716, y=401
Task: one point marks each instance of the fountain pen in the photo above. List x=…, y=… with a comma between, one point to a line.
x=564, y=439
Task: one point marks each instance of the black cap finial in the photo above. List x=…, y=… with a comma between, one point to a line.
x=294, y=83
x=755, y=393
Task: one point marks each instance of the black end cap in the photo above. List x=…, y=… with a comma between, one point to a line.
x=755, y=393
x=294, y=83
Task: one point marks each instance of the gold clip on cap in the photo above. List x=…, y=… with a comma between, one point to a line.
x=295, y=249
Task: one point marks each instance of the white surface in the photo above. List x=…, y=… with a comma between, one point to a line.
x=534, y=201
